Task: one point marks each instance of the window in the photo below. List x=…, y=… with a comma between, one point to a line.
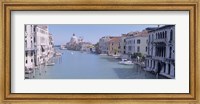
x=25, y=43
x=170, y=52
x=171, y=35
x=31, y=60
x=169, y=68
x=156, y=35
x=34, y=29
x=138, y=41
x=149, y=37
x=165, y=34
x=152, y=36
x=146, y=49
x=129, y=48
x=34, y=39
x=26, y=54
x=138, y=49
x=26, y=61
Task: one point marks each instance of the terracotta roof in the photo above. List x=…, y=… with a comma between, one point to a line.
x=115, y=39
x=143, y=33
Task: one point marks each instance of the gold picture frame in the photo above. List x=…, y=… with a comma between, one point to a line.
x=123, y=5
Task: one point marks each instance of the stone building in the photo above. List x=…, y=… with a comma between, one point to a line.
x=104, y=44
x=30, y=47
x=74, y=43
x=38, y=45
x=161, y=51
x=123, y=44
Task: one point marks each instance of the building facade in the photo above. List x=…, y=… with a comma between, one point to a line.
x=123, y=44
x=104, y=44
x=136, y=43
x=30, y=47
x=74, y=43
x=161, y=51
x=38, y=45
x=114, y=46
x=87, y=47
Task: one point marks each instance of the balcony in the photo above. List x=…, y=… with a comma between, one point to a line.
x=148, y=56
x=159, y=58
x=163, y=40
x=170, y=60
x=32, y=48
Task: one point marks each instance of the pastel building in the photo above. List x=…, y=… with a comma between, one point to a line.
x=161, y=51
x=114, y=46
x=137, y=43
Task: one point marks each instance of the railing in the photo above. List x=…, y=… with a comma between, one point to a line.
x=160, y=40
x=32, y=48
x=159, y=58
x=148, y=56
x=170, y=59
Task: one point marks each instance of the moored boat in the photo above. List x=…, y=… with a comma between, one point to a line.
x=126, y=62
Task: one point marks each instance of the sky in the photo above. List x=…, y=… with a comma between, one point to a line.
x=91, y=32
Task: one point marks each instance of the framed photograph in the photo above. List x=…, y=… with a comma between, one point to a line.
x=100, y=51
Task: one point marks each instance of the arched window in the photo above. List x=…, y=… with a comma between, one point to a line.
x=152, y=36
x=25, y=43
x=149, y=37
x=156, y=36
x=171, y=35
x=31, y=43
x=160, y=35
x=170, y=52
x=163, y=34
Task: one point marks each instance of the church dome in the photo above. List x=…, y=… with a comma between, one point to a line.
x=74, y=39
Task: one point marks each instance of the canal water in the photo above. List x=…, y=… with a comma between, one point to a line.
x=78, y=65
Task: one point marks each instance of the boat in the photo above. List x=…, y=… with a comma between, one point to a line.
x=62, y=47
x=125, y=62
x=116, y=56
x=50, y=64
x=58, y=54
x=103, y=55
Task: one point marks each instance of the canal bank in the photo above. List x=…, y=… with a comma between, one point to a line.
x=83, y=65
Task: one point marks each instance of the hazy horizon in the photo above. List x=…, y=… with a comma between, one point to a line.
x=62, y=33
